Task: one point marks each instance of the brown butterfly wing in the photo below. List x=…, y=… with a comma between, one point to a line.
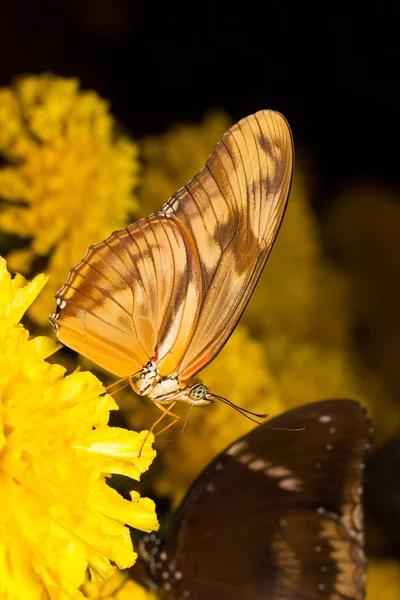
x=136, y=292
x=233, y=209
x=276, y=516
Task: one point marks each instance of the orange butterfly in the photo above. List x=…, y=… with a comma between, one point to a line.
x=155, y=302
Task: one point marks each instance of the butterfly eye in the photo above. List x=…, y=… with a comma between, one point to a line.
x=198, y=392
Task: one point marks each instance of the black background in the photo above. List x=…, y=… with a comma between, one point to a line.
x=331, y=69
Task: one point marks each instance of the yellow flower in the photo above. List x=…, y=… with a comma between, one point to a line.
x=300, y=293
x=363, y=226
x=69, y=178
x=58, y=516
x=383, y=580
x=118, y=587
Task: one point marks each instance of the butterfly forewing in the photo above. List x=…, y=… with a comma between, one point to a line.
x=276, y=516
x=173, y=286
x=233, y=209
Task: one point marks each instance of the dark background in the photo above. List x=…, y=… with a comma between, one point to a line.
x=332, y=69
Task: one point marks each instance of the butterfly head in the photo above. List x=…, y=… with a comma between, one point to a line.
x=198, y=394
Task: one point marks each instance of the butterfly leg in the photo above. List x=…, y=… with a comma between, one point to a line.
x=167, y=426
x=165, y=411
x=109, y=387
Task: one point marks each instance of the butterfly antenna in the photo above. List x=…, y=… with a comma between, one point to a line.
x=243, y=411
x=246, y=413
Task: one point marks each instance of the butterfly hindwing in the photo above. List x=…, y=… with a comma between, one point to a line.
x=136, y=292
x=277, y=516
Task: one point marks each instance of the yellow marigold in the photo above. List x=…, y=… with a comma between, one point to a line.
x=383, y=580
x=118, y=587
x=58, y=516
x=69, y=177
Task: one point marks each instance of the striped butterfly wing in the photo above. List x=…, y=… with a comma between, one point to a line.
x=173, y=285
x=138, y=290
x=277, y=516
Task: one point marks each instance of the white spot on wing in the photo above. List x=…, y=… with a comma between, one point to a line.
x=278, y=471
x=290, y=484
x=258, y=464
x=236, y=448
x=325, y=419
x=245, y=458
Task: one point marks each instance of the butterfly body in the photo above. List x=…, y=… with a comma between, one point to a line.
x=157, y=301
x=165, y=390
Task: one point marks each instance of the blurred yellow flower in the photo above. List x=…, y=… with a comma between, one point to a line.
x=383, y=580
x=68, y=179
x=58, y=516
x=118, y=587
x=363, y=226
x=300, y=292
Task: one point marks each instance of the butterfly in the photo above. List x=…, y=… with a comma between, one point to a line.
x=276, y=516
x=157, y=301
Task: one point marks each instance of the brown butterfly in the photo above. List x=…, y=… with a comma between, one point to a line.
x=276, y=516
x=155, y=302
